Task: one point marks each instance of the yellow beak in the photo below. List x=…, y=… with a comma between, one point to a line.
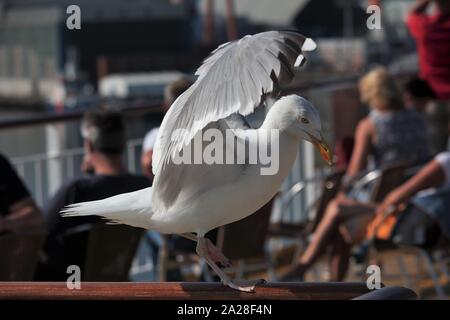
x=324, y=150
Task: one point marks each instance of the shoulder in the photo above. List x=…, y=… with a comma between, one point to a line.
x=73, y=187
x=416, y=18
x=409, y=119
x=414, y=115
x=139, y=181
x=64, y=195
x=70, y=186
x=443, y=159
x=416, y=22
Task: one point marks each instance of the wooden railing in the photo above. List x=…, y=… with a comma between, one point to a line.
x=49, y=118
x=181, y=290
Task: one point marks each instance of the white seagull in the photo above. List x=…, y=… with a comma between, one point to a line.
x=192, y=199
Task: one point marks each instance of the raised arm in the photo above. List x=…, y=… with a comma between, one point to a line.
x=419, y=7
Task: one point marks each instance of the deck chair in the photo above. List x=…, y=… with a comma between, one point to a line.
x=330, y=186
x=434, y=253
x=106, y=251
x=378, y=183
x=388, y=179
x=19, y=255
x=110, y=252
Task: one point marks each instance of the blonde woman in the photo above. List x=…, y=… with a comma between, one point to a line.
x=390, y=133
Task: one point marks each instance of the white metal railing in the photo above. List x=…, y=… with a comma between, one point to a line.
x=33, y=169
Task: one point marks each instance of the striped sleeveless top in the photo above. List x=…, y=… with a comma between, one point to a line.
x=399, y=136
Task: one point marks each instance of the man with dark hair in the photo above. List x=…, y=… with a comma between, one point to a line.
x=103, y=131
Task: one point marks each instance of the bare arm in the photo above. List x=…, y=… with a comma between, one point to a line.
x=432, y=175
x=419, y=7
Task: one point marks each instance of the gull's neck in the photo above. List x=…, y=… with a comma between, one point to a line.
x=276, y=118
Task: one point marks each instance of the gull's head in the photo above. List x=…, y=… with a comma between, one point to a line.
x=298, y=117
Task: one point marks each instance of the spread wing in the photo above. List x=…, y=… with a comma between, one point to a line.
x=233, y=79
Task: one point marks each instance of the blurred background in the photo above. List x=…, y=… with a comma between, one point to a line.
x=127, y=52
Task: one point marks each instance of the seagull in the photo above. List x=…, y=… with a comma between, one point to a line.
x=191, y=199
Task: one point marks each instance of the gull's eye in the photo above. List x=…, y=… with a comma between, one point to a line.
x=304, y=120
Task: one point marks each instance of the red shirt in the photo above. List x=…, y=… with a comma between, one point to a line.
x=432, y=35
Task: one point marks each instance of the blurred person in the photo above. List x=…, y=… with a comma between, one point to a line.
x=18, y=211
x=390, y=134
x=171, y=92
x=432, y=36
x=429, y=189
x=103, y=131
x=343, y=153
x=417, y=94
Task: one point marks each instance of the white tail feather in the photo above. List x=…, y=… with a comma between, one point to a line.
x=133, y=208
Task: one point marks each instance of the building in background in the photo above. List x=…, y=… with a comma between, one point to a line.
x=40, y=56
x=345, y=44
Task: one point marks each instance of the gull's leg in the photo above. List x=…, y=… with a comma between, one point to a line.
x=203, y=251
x=214, y=253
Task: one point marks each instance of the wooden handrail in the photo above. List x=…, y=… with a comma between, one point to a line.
x=181, y=290
x=47, y=118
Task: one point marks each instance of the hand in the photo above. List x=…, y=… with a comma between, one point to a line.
x=394, y=201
